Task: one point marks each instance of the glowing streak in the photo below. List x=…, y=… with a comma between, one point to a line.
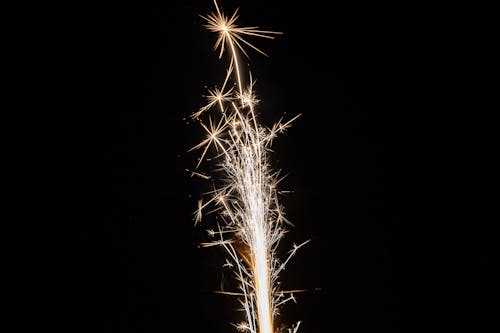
x=262, y=282
x=247, y=203
x=236, y=65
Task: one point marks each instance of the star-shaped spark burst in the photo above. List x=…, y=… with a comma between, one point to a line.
x=215, y=97
x=230, y=33
x=214, y=137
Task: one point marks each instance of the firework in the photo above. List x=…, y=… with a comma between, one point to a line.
x=245, y=194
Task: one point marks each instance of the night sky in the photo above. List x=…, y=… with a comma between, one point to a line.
x=363, y=168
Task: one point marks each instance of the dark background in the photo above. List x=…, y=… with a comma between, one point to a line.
x=364, y=162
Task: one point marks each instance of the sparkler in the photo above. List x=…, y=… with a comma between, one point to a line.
x=246, y=198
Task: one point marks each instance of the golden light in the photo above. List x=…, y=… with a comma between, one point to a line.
x=247, y=201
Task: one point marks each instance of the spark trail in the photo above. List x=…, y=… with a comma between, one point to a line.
x=246, y=198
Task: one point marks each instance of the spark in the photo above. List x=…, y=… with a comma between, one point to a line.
x=247, y=198
x=215, y=96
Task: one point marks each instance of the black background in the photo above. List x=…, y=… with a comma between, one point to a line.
x=364, y=162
